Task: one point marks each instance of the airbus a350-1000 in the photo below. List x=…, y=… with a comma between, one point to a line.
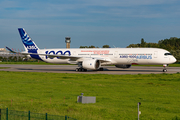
x=95, y=58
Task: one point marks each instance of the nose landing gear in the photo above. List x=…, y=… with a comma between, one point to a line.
x=164, y=70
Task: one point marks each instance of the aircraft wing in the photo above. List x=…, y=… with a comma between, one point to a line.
x=73, y=58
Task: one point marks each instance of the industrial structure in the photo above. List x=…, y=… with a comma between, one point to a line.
x=7, y=56
x=68, y=41
x=3, y=51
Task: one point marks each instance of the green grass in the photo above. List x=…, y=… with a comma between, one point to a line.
x=116, y=95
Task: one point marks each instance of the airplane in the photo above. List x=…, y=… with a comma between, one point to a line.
x=95, y=58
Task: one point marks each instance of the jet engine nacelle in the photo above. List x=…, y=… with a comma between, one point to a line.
x=123, y=66
x=91, y=64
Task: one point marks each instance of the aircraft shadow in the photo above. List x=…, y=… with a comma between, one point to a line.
x=72, y=70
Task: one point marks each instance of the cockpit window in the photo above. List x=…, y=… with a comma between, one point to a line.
x=167, y=54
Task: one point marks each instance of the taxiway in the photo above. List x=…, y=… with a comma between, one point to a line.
x=71, y=69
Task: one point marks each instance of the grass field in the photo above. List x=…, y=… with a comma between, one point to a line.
x=116, y=95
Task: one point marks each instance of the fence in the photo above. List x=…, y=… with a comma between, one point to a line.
x=6, y=114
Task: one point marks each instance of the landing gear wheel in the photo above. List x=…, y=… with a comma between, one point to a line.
x=101, y=69
x=81, y=70
x=164, y=70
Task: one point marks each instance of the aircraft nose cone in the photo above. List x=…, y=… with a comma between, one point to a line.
x=174, y=60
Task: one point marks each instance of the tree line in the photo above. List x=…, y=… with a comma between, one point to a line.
x=172, y=45
x=92, y=46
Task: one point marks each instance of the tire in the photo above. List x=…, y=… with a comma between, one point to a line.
x=101, y=69
x=77, y=69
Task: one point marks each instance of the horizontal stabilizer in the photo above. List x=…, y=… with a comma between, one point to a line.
x=10, y=50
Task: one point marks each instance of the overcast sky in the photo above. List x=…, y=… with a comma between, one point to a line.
x=88, y=22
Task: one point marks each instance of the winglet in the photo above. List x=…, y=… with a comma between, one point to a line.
x=10, y=50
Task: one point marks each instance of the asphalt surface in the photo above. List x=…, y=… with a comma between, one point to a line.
x=71, y=69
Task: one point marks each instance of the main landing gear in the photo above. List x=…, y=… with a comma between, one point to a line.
x=81, y=70
x=85, y=70
x=164, y=70
x=101, y=69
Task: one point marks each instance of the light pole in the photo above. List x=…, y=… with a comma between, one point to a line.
x=139, y=112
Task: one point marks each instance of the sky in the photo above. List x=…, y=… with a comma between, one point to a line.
x=116, y=23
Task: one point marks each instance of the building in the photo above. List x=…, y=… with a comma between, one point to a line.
x=5, y=55
x=3, y=51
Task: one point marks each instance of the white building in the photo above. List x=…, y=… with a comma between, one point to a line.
x=3, y=51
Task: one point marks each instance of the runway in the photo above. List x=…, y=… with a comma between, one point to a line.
x=71, y=69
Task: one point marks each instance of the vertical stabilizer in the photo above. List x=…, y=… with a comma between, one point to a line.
x=28, y=43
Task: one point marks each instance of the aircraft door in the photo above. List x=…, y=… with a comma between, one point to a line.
x=74, y=53
x=116, y=54
x=155, y=54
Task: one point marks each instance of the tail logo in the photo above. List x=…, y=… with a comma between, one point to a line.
x=27, y=40
x=29, y=44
